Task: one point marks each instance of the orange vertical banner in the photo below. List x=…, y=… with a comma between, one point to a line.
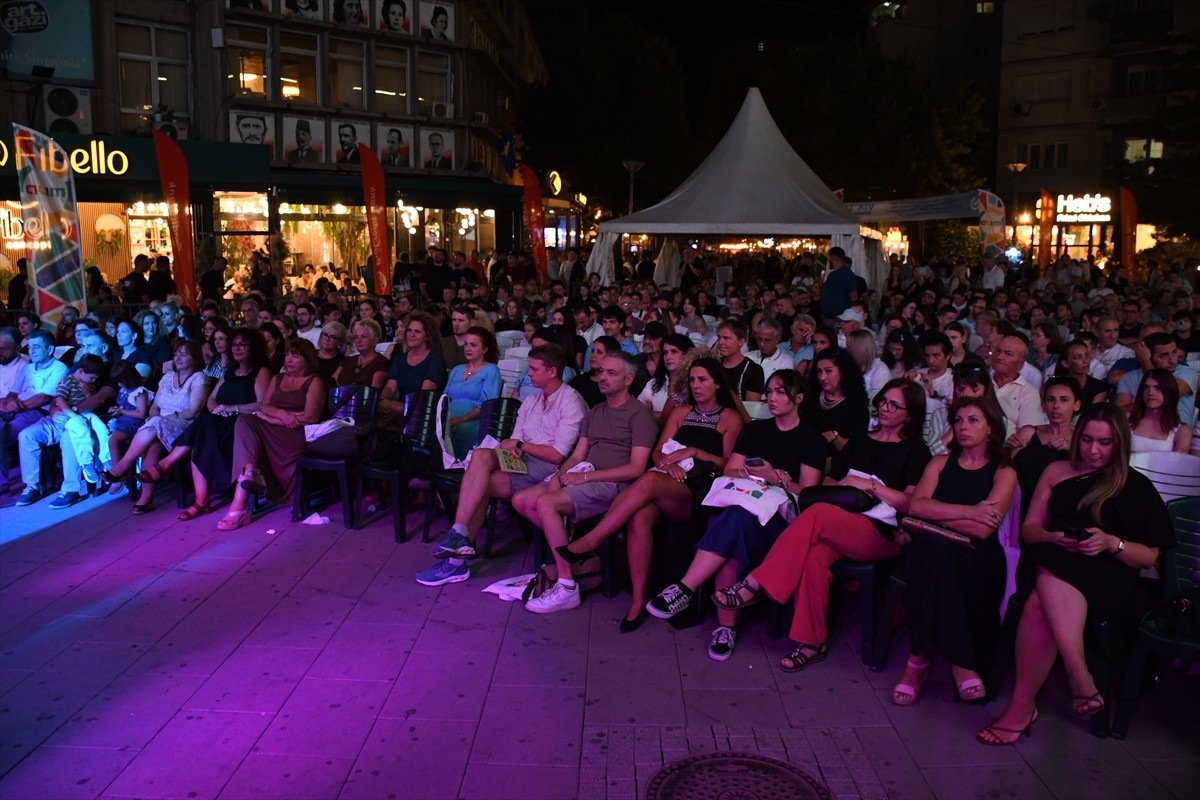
x=1128, y=232
x=177, y=193
x=375, y=199
x=535, y=220
x=1046, y=213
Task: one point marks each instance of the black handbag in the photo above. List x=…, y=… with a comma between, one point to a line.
x=847, y=498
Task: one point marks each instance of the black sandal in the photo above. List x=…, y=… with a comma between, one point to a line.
x=572, y=557
x=796, y=660
x=739, y=595
x=253, y=482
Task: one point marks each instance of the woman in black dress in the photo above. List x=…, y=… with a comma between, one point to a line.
x=1093, y=525
x=954, y=590
x=1035, y=447
x=836, y=403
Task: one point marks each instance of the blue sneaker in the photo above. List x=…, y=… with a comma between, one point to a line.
x=442, y=573
x=453, y=545
x=91, y=473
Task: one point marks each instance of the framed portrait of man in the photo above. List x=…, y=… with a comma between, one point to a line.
x=351, y=13
x=304, y=9
x=252, y=127
x=303, y=140
x=348, y=134
x=437, y=21
x=394, y=143
x=437, y=148
x=395, y=16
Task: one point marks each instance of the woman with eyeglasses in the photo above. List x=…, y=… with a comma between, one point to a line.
x=208, y=442
x=331, y=347
x=889, y=461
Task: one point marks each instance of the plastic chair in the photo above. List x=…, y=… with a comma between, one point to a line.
x=1173, y=474
x=356, y=404
x=418, y=451
x=1181, y=568
x=497, y=418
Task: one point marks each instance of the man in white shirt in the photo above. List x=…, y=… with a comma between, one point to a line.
x=1110, y=350
x=769, y=355
x=1018, y=399
x=545, y=434
x=13, y=368
x=937, y=378
x=306, y=327
x=586, y=324
x=993, y=274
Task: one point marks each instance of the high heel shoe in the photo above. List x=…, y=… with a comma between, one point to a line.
x=991, y=734
x=571, y=556
x=253, y=482
x=630, y=625
x=1083, y=704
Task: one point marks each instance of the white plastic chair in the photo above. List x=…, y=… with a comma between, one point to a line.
x=1173, y=474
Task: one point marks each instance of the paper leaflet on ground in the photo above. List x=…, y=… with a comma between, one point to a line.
x=882, y=511
x=510, y=589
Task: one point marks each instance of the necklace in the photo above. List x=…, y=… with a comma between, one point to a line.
x=828, y=404
x=714, y=411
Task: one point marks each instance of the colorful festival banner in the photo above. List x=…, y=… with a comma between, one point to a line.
x=177, y=193
x=992, y=241
x=535, y=220
x=375, y=199
x=1128, y=232
x=1045, y=231
x=51, y=223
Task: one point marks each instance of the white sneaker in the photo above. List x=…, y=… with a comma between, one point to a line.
x=557, y=598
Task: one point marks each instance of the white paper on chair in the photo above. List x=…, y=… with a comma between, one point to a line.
x=510, y=589
x=881, y=511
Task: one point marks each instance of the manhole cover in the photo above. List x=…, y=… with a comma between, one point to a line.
x=733, y=776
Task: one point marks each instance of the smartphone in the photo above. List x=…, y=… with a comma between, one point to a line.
x=1076, y=534
x=754, y=462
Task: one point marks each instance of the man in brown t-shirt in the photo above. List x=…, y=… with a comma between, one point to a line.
x=616, y=439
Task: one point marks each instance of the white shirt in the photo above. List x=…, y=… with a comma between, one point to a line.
x=1021, y=404
x=772, y=363
x=313, y=335
x=43, y=379
x=1107, y=358
x=1032, y=375
x=993, y=279
x=12, y=376
x=875, y=377
x=592, y=334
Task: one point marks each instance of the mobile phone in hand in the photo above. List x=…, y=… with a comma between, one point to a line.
x=1077, y=534
x=754, y=462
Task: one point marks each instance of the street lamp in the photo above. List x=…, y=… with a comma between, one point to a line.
x=633, y=167
x=1015, y=168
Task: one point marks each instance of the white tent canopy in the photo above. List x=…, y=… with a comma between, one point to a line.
x=752, y=184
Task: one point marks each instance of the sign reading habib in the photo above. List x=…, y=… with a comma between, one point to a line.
x=1089, y=208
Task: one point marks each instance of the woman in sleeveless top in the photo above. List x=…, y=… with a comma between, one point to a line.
x=1154, y=418
x=954, y=590
x=366, y=367
x=270, y=442
x=701, y=436
x=208, y=441
x=1093, y=525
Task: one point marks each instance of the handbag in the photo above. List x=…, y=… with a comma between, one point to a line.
x=922, y=527
x=748, y=494
x=587, y=575
x=847, y=498
x=1178, y=617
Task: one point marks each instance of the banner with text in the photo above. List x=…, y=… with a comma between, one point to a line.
x=177, y=193
x=992, y=241
x=375, y=199
x=1045, y=252
x=535, y=220
x=51, y=221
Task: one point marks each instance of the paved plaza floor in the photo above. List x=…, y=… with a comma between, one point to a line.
x=150, y=658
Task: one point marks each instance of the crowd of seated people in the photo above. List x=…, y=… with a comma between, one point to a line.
x=929, y=398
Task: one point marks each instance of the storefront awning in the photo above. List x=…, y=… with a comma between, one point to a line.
x=300, y=185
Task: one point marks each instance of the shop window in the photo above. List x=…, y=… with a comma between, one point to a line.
x=1141, y=149
x=153, y=67
x=346, y=74
x=391, y=80
x=433, y=81
x=298, y=67
x=246, y=47
x=985, y=8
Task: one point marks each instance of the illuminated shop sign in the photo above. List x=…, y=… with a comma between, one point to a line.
x=96, y=158
x=1089, y=208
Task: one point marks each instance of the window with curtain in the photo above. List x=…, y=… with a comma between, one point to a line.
x=391, y=80
x=298, y=53
x=433, y=81
x=153, y=65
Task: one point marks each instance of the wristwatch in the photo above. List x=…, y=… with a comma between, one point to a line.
x=520, y=445
x=1120, y=545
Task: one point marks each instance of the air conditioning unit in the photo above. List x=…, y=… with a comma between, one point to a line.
x=480, y=118
x=1021, y=109
x=442, y=111
x=1098, y=103
x=176, y=129
x=68, y=109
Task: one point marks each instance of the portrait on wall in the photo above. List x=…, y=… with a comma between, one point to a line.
x=304, y=9
x=349, y=133
x=249, y=5
x=394, y=16
x=303, y=140
x=253, y=127
x=437, y=148
x=394, y=143
x=351, y=13
x=437, y=21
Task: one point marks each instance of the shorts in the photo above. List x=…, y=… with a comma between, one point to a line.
x=539, y=471
x=593, y=499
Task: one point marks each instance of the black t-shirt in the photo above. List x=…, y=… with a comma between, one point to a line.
x=212, y=285
x=898, y=464
x=849, y=418
x=134, y=287
x=786, y=450
x=436, y=278
x=161, y=284
x=588, y=389
x=746, y=377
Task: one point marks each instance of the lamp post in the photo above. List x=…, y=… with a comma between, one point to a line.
x=1015, y=168
x=633, y=167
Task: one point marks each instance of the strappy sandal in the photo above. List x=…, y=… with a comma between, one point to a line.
x=992, y=738
x=253, y=482
x=971, y=691
x=797, y=660
x=739, y=595
x=905, y=695
x=574, y=556
x=111, y=477
x=152, y=474
x=141, y=509
x=234, y=520
x=193, y=511
x=1088, y=705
